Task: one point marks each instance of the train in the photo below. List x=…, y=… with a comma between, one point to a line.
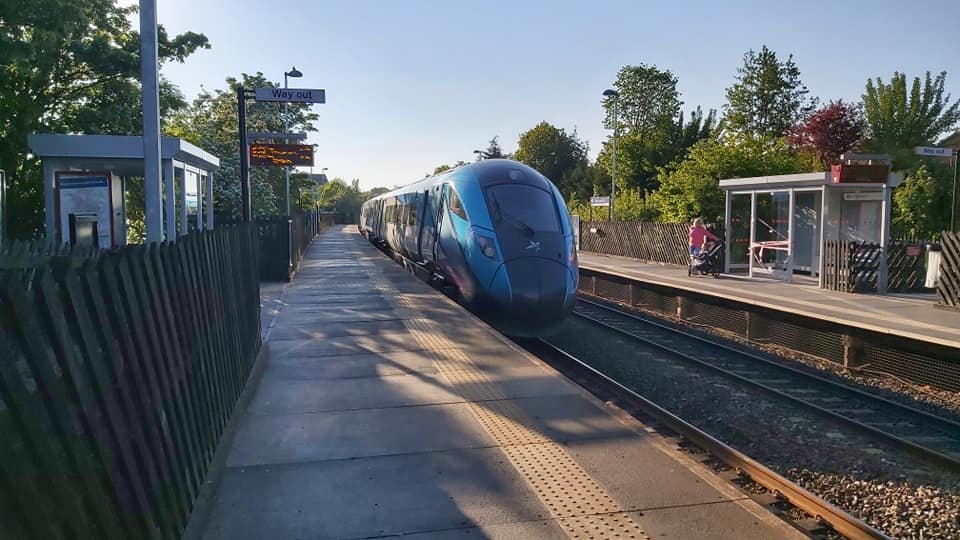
x=496, y=233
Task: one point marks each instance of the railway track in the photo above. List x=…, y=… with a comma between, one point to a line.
x=925, y=435
x=824, y=513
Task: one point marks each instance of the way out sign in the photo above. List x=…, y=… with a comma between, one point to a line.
x=292, y=95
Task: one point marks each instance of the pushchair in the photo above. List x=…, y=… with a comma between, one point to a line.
x=709, y=261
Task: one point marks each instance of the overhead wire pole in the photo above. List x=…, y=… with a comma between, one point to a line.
x=150, y=91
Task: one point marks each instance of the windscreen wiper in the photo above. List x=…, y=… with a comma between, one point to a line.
x=507, y=217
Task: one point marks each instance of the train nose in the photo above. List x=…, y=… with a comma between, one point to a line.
x=538, y=294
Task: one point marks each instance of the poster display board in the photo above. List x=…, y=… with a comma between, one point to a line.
x=87, y=194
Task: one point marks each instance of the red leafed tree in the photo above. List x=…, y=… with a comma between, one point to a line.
x=830, y=131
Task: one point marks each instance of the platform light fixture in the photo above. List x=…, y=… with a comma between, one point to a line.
x=295, y=73
x=611, y=93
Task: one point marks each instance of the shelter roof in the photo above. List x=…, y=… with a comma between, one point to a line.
x=122, y=153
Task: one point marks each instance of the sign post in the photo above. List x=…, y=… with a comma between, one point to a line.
x=3, y=188
x=246, y=205
x=938, y=151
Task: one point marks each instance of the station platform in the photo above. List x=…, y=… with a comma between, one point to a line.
x=384, y=409
x=910, y=316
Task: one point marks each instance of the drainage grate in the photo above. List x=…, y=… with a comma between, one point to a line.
x=578, y=503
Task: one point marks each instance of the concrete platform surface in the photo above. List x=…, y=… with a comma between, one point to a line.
x=911, y=316
x=387, y=410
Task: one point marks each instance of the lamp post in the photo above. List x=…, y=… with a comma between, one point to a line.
x=286, y=170
x=609, y=92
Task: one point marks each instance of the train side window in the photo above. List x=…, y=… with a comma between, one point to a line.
x=455, y=205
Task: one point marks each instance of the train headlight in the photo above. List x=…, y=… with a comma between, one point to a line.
x=572, y=250
x=487, y=246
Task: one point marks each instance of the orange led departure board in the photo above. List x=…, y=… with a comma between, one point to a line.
x=280, y=155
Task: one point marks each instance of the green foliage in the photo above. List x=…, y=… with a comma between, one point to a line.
x=69, y=66
x=630, y=205
x=647, y=108
x=337, y=196
x=768, y=98
x=922, y=202
x=443, y=168
x=210, y=122
x=375, y=192
x=692, y=189
x=898, y=121
x=558, y=155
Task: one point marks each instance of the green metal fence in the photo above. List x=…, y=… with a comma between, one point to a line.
x=118, y=374
x=283, y=241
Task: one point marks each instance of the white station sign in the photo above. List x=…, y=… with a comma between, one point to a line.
x=292, y=95
x=935, y=151
x=599, y=201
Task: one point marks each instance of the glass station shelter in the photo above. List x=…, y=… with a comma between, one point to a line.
x=778, y=226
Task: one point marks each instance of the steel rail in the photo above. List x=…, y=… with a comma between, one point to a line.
x=839, y=520
x=949, y=461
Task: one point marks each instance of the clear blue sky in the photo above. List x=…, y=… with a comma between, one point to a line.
x=417, y=83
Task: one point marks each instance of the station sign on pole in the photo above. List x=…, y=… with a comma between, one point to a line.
x=599, y=201
x=934, y=151
x=292, y=95
x=281, y=155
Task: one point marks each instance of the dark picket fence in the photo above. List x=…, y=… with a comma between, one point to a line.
x=855, y=266
x=666, y=243
x=118, y=374
x=948, y=288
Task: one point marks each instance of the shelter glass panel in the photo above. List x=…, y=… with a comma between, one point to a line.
x=739, y=228
x=772, y=228
x=806, y=233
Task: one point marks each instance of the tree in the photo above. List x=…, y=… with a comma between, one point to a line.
x=375, y=192
x=493, y=151
x=768, y=97
x=555, y=154
x=337, y=196
x=210, y=122
x=647, y=108
x=898, y=121
x=687, y=134
x=692, y=190
x=829, y=132
x=922, y=202
x=443, y=168
x=69, y=66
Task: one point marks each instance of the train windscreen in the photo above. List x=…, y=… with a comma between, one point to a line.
x=525, y=207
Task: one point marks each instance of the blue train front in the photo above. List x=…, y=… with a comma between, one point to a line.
x=497, y=231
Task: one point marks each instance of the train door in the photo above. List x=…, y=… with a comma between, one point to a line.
x=412, y=217
x=428, y=225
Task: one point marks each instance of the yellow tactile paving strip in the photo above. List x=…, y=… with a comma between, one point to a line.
x=575, y=500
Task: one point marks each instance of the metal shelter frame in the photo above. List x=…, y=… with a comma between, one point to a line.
x=123, y=156
x=828, y=226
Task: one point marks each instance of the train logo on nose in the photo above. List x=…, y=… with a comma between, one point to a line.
x=534, y=246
